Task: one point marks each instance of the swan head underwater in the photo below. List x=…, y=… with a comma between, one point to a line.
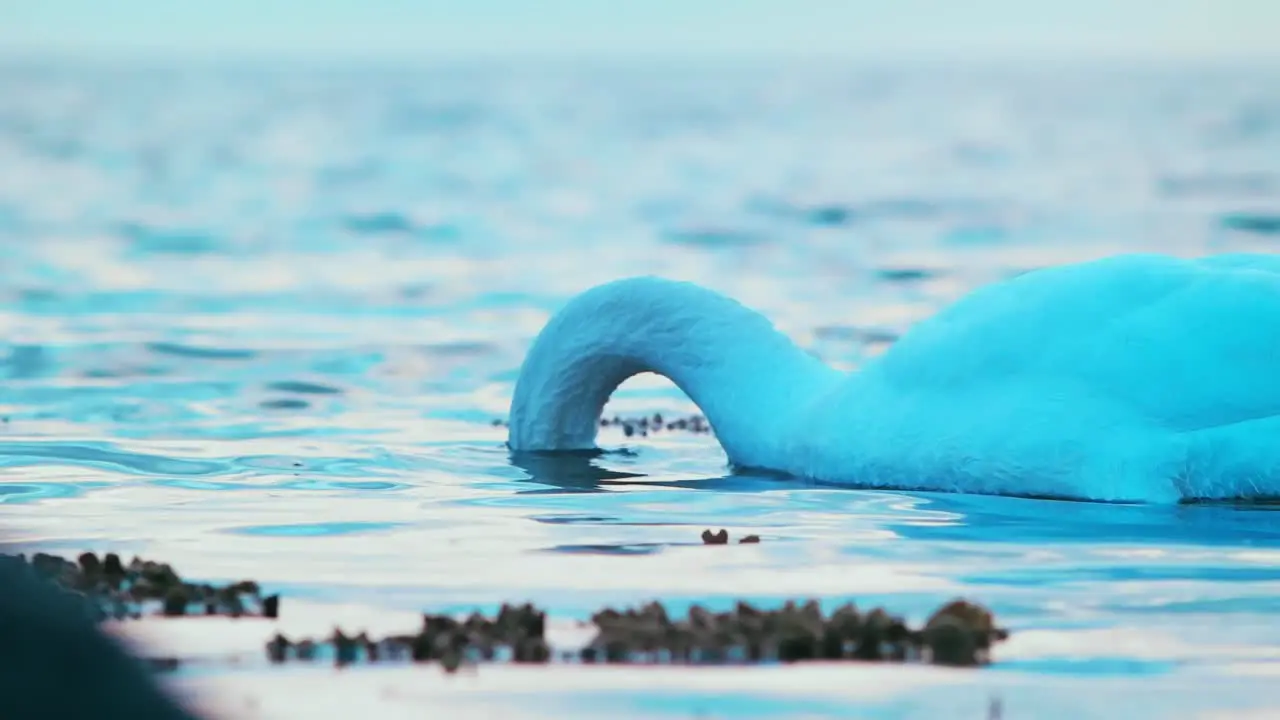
x=1134, y=378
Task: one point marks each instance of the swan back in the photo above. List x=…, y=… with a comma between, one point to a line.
x=1138, y=377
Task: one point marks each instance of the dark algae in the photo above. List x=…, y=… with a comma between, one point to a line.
x=795, y=632
x=517, y=633
x=716, y=538
x=112, y=589
x=722, y=538
x=960, y=633
x=646, y=425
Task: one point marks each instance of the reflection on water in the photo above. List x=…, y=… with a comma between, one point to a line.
x=260, y=326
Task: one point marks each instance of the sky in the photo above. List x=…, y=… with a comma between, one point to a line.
x=399, y=29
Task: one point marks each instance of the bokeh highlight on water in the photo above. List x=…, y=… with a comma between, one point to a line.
x=258, y=322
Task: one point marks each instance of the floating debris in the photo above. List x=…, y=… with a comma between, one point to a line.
x=644, y=425
x=112, y=589
x=958, y=634
x=722, y=538
x=719, y=538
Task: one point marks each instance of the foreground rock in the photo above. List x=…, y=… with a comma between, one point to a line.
x=56, y=664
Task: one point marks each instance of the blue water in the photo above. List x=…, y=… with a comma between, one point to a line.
x=258, y=323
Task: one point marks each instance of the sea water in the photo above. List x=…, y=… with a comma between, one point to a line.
x=258, y=321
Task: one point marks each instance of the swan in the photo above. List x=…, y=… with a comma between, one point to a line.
x=1132, y=378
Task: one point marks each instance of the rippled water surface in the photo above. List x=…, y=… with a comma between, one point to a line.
x=259, y=323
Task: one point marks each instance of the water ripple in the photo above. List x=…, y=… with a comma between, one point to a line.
x=12, y=492
x=202, y=353
x=101, y=455
x=313, y=529
x=303, y=388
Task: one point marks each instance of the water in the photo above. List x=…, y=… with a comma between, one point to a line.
x=258, y=323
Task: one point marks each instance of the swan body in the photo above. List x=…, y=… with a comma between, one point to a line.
x=1141, y=378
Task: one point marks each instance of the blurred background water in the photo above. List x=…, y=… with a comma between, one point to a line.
x=258, y=320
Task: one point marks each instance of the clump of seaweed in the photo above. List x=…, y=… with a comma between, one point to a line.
x=642, y=426
x=958, y=634
x=517, y=633
x=112, y=589
x=722, y=538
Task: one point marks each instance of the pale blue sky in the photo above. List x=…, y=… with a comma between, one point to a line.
x=426, y=28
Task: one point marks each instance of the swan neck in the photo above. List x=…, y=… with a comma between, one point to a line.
x=745, y=376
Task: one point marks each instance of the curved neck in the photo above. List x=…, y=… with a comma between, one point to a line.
x=745, y=376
